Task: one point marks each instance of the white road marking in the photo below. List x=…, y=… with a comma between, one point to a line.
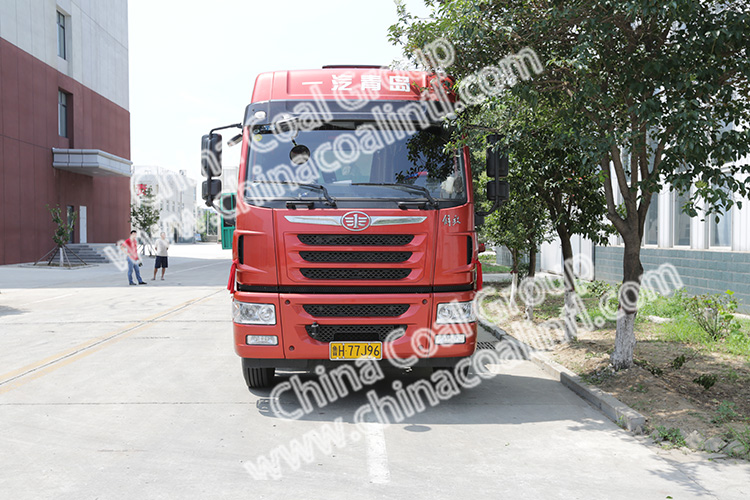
x=377, y=456
x=50, y=298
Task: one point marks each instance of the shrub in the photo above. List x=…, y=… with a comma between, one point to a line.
x=671, y=435
x=678, y=362
x=714, y=313
x=597, y=288
x=706, y=380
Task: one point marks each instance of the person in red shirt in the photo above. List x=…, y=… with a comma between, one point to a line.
x=130, y=247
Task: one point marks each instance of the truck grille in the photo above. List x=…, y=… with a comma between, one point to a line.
x=352, y=333
x=355, y=310
x=354, y=274
x=355, y=256
x=391, y=240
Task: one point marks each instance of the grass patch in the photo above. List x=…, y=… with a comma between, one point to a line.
x=494, y=268
x=684, y=329
x=490, y=265
x=726, y=412
x=488, y=258
x=670, y=306
x=670, y=437
x=742, y=440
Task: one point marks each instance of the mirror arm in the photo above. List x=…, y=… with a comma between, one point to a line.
x=495, y=206
x=234, y=125
x=209, y=177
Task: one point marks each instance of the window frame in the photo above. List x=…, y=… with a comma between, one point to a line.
x=676, y=212
x=63, y=113
x=62, y=35
x=654, y=201
x=712, y=225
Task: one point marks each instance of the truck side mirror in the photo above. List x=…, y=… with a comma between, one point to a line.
x=498, y=190
x=211, y=155
x=210, y=190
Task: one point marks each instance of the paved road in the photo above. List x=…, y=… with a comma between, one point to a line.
x=111, y=391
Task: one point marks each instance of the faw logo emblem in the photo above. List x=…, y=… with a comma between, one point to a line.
x=355, y=221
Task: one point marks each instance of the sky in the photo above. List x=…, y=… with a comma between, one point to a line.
x=193, y=63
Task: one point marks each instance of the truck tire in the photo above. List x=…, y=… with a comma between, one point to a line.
x=258, y=378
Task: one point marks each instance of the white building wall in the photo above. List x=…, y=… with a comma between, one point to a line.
x=175, y=198
x=551, y=258
x=741, y=224
x=551, y=253
x=97, y=40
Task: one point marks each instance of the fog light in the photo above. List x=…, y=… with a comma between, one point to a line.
x=450, y=338
x=262, y=340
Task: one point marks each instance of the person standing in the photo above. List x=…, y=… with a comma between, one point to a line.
x=130, y=247
x=162, y=246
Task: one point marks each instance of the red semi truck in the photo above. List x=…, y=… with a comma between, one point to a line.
x=355, y=227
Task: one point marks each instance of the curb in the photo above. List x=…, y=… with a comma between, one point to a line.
x=614, y=409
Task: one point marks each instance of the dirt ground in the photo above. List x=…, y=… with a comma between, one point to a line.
x=664, y=394
x=659, y=386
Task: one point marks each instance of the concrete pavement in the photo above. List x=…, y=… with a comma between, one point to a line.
x=111, y=391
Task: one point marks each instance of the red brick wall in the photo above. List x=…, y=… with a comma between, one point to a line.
x=28, y=182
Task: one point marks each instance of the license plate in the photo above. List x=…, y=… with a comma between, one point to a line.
x=355, y=350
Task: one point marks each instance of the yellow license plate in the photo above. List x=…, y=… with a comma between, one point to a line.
x=355, y=350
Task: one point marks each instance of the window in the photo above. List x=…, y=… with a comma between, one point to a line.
x=681, y=220
x=61, y=49
x=720, y=232
x=349, y=167
x=62, y=113
x=651, y=229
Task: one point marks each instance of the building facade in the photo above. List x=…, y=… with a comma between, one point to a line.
x=64, y=123
x=710, y=255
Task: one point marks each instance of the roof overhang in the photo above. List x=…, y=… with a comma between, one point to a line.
x=91, y=162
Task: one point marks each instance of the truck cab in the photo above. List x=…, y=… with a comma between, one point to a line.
x=354, y=223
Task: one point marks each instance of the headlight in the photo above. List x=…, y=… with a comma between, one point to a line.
x=455, y=312
x=246, y=313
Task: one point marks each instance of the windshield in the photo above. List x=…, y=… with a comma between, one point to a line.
x=351, y=163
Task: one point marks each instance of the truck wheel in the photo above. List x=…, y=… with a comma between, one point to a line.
x=258, y=378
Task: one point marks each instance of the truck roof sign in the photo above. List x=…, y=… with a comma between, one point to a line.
x=343, y=83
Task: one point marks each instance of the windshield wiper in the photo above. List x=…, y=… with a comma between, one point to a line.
x=405, y=187
x=315, y=187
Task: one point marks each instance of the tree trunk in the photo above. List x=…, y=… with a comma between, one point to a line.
x=622, y=356
x=569, y=312
x=532, y=262
x=529, y=315
x=513, y=275
x=528, y=288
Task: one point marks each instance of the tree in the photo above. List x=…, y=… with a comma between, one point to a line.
x=663, y=88
x=521, y=224
x=144, y=215
x=553, y=166
x=61, y=237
